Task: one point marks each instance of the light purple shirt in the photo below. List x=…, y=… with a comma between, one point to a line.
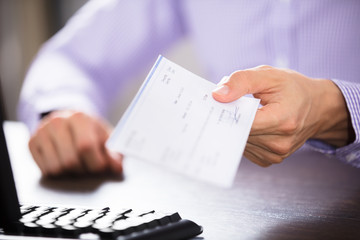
x=108, y=41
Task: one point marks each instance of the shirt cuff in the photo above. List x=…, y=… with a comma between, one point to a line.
x=351, y=152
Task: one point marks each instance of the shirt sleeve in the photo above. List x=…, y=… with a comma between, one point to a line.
x=350, y=153
x=86, y=63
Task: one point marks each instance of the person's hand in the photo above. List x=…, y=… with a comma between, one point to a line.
x=294, y=109
x=70, y=142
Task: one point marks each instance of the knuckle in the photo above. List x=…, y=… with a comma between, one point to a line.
x=241, y=73
x=276, y=159
x=41, y=129
x=261, y=161
x=239, y=79
x=57, y=122
x=70, y=163
x=54, y=171
x=238, y=75
x=264, y=164
x=77, y=116
x=101, y=166
x=281, y=148
x=272, y=72
x=98, y=166
x=265, y=67
x=85, y=146
x=289, y=127
x=40, y=136
x=234, y=77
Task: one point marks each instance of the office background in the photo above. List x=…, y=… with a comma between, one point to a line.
x=26, y=24
x=308, y=195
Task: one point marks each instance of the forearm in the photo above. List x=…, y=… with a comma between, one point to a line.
x=84, y=66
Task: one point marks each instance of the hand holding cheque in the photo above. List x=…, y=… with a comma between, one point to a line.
x=295, y=108
x=186, y=130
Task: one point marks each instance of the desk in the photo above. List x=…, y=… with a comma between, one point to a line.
x=308, y=196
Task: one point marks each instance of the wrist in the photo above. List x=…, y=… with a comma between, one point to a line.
x=333, y=124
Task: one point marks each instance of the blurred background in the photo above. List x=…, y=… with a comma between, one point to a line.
x=26, y=24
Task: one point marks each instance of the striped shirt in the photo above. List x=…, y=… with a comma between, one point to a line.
x=110, y=41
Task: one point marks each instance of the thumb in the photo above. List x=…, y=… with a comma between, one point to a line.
x=240, y=83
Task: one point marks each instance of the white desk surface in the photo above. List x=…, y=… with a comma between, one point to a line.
x=309, y=195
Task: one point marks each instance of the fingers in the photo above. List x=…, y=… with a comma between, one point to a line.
x=73, y=143
x=256, y=159
x=115, y=161
x=45, y=155
x=277, y=118
x=61, y=137
x=88, y=143
x=287, y=117
x=265, y=150
x=263, y=156
x=240, y=83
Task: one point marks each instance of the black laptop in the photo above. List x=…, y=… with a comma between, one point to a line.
x=75, y=222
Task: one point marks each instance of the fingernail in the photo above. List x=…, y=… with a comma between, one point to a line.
x=222, y=90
